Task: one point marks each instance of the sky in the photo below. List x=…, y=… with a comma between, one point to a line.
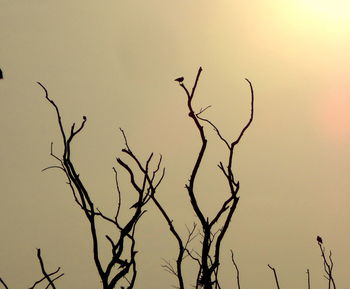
x=115, y=62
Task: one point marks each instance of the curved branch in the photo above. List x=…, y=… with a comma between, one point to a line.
x=251, y=114
x=47, y=276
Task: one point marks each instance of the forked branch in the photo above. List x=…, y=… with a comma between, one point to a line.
x=209, y=258
x=122, y=262
x=327, y=263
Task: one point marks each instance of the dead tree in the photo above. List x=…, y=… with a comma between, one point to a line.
x=327, y=263
x=49, y=277
x=212, y=231
x=121, y=266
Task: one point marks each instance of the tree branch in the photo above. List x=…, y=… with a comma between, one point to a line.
x=275, y=275
x=3, y=283
x=327, y=265
x=237, y=270
x=209, y=265
x=308, y=279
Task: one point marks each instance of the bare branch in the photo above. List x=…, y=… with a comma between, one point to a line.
x=275, y=275
x=125, y=139
x=237, y=270
x=57, y=113
x=125, y=243
x=119, y=199
x=53, y=167
x=43, y=269
x=54, y=279
x=203, y=110
x=327, y=265
x=99, y=213
x=209, y=264
x=181, y=248
x=251, y=113
x=222, y=210
x=3, y=283
x=73, y=132
x=308, y=279
x=169, y=268
x=215, y=129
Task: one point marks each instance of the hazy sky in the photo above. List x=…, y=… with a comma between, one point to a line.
x=115, y=62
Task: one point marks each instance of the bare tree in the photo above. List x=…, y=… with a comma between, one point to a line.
x=121, y=266
x=49, y=277
x=327, y=263
x=212, y=231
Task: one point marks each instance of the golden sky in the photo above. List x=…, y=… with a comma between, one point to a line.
x=115, y=62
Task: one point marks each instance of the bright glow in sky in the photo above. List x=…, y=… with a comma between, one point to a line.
x=335, y=117
x=335, y=9
x=115, y=61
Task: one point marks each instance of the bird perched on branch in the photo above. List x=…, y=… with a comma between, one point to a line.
x=180, y=79
x=319, y=240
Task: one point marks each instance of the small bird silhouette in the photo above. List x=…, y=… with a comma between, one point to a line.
x=1, y=76
x=319, y=240
x=180, y=79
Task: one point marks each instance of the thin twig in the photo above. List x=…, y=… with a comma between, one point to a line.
x=54, y=279
x=275, y=274
x=237, y=270
x=47, y=276
x=308, y=279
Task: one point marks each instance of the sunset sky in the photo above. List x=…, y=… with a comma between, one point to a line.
x=115, y=62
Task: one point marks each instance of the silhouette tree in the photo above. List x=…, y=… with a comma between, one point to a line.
x=327, y=264
x=212, y=231
x=121, y=267
x=145, y=178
